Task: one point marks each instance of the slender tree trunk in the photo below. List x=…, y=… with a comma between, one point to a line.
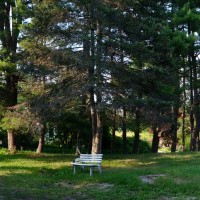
x=91, y=78
x=183, y=115
x=124, y=134
x=41, y=138
x=192, y=133
x=137, y=131
x=192, y=139
x=196, y=103
x=78, y=152
x=175, y=112
x=93, y=119
x=80, y=133
x=184, y=106
x=155, y=142
x=114, y=112
x=174, y=128
x=197, y=127
x=113, y=131
x=87, y=49
x=97, y=136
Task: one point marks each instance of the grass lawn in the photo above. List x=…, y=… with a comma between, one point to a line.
x=27, y=176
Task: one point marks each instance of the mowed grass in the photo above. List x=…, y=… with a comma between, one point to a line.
x=28, y=176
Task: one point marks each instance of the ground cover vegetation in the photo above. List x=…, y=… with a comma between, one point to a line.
x=27, y=175
x=73, y=73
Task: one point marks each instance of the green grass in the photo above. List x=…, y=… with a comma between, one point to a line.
x=27, y=176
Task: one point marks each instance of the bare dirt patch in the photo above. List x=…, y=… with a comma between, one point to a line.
x=151, y=178
x=180, y=181
x=177, y=198
x=101, y=186
x=64, y=184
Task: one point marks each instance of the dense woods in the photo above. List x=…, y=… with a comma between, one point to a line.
x=75, y=73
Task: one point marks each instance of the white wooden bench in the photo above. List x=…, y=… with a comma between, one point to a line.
x=88, y=160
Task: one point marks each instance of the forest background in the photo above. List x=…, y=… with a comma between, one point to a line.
x=73, y=74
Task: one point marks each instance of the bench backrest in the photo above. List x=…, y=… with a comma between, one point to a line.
x=91, y=158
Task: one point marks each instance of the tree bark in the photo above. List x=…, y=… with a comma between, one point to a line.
x=174, y=128
x=192, y=131
x=184, y=109
x=155, y=142
x=41, y=138
x=78, y=152
x=196, y=103
x=137, y=132
x=97, y=136
x=88, y=47
x=93, y=112
x=11, y=141
x=113, y=131
x=124, y=131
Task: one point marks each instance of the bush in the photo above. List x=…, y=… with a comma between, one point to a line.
x=144, y=147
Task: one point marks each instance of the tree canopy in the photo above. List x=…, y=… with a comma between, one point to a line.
x=66, y=66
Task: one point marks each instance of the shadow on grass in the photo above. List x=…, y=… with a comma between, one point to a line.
x=36, y=183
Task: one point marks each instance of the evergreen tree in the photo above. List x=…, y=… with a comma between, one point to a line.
x=11, y=15
x=186, y=20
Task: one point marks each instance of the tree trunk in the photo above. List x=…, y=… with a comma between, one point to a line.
x=197, y=127
x=192, y=133
x=196, y=103
x=184, y=110
x=113, y=131
x=137, y=132
x=78, y=152
x=92, y=84
x=11, y=141
x=41, y=138
x=124, y=131
x=88, y=47
x=174, y=129
x=155, y=142
x=97, y=137
x=11, y=100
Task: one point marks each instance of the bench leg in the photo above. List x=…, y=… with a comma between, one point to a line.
x=99, y=168
x=74, y=169
x=90, y=171
x=82, y=168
